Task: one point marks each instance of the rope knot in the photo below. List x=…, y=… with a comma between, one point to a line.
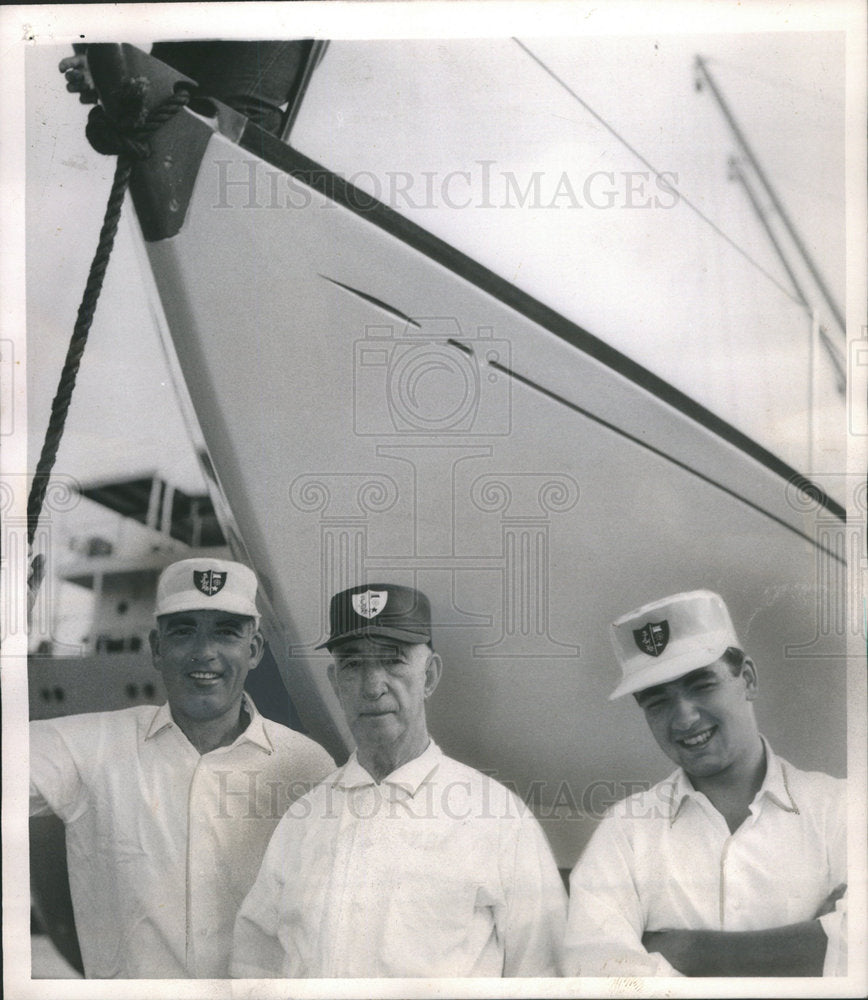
x=128, y=132
x=107, y=138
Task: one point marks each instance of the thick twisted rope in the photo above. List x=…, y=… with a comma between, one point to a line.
x=129, y=140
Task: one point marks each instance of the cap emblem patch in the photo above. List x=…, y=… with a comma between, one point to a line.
x=652, y=637
x=370, y=603
x=209, y=581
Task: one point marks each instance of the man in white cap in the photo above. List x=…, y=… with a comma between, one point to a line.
x=168, y=810
x=404, y=862
x=735, y=865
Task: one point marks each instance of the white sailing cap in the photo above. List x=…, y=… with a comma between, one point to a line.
x=666, y=639
x=207, y=585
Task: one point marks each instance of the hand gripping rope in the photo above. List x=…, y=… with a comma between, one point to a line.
x=128, y=139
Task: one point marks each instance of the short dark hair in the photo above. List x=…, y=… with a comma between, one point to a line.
x=734, y=658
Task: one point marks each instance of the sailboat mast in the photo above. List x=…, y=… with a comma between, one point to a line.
x=818, y=334
x=705, y=75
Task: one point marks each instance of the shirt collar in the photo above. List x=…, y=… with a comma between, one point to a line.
x=775, y=787
x=254, y=733
x=408, y=777
x=162, y=720
x=677, y=790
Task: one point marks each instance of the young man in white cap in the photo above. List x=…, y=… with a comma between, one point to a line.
x=404, y=862
x=168, y=810
x=735, y=865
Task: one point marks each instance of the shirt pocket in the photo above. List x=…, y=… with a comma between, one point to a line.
x=432, y=919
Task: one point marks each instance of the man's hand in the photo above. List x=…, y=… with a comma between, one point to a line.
x=829, y=903
x=675, y=946
x=34, y=581
x=78, y=78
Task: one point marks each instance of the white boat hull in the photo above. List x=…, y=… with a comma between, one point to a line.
x=378, y=408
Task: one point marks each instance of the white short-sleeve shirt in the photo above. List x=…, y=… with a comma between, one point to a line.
x=665, y=859
x=436, y=871
x=163, y=843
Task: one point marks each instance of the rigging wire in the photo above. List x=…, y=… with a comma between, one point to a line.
x=816, y=116
x=703, y=74
x=694, y=208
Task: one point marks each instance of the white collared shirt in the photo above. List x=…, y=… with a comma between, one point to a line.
x=163, y=843
x=436, y=871
x=665, y=859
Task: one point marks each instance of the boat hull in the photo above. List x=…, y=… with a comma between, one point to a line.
x=377, y=408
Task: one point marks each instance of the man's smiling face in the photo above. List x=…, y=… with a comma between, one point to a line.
x=204, y=657
x=704, y=721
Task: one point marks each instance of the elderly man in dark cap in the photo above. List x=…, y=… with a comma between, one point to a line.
x=404, y=862
x=735, y=865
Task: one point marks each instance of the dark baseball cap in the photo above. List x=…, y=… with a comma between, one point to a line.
x=379, y=609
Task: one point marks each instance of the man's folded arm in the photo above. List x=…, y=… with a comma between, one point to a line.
x=798, y=949
x=794, y=950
